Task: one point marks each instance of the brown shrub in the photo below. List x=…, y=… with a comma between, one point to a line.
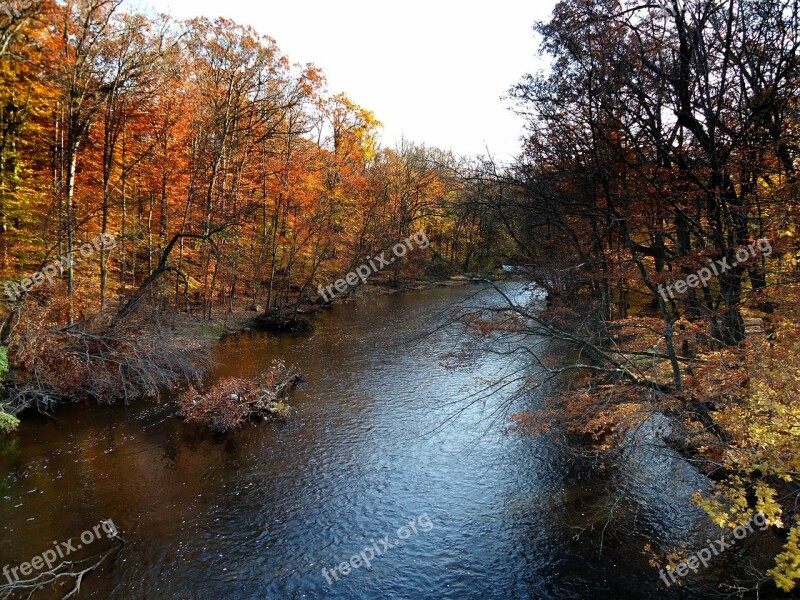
x=94, y=359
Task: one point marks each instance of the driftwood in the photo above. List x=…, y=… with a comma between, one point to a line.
x=232, y=402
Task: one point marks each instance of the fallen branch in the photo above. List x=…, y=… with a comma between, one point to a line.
x=232, y=402
x=64, y=571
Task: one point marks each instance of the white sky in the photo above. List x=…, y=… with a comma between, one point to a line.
x=433, y=71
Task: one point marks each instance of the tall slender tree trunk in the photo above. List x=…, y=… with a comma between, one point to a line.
x=71, y=167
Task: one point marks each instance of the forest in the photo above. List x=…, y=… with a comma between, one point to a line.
x=662, y=154
x=219, y=175
x=157, y=175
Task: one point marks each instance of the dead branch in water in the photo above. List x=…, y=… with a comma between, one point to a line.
x=68, y=571
x=232, y=402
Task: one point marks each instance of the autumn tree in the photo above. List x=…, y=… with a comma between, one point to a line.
x=662, y=141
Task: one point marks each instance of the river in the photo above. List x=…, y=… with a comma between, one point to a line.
x=383, y=434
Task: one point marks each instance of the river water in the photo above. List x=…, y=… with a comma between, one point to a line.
x=383, y=433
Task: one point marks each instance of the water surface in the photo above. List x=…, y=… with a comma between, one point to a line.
x=383, y=433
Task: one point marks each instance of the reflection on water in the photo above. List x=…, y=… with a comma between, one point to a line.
x=260, y=513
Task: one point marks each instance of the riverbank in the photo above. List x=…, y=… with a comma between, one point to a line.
x=194, y=332
x=150, y=352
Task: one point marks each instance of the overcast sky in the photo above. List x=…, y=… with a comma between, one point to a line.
x=431, y=70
